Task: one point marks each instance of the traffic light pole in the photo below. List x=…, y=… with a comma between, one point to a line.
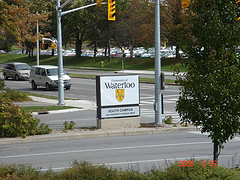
x=158, y=96
x=59, y=37
x=60, y=58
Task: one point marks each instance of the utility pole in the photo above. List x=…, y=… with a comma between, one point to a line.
x=158, y=96
x=37, y=42
x=59, y=37
x=60, y=58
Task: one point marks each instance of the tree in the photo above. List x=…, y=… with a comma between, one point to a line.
x=210, y=96
x=18, y=22
x=173, y=23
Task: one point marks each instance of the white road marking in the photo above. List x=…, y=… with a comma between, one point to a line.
x=103, y=149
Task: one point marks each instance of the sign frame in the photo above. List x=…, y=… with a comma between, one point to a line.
x=128, y=84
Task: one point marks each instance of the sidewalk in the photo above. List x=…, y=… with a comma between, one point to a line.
x=166, y=73
x=39, y=101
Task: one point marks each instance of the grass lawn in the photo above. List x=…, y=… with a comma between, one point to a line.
x=142, y=80
x=170, y=64
x=46, y=108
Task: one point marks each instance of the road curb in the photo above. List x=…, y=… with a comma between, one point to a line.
x=82, y=134
x=57, y=111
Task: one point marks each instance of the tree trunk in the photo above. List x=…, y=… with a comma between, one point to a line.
x=29, y=53
x=95, y=48
x=131, y=51
x=106, y=49
x=78, y=44
x=215, y=151
x=177, y=51
x=109, y=52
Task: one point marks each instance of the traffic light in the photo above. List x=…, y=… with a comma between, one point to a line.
x=237, y=2
x=53, y=46
x=44, y=46
x=185, y=3
x=111, y=10
x=99, y=2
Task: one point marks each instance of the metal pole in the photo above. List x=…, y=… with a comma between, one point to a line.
x=157, y=104
x=60, y=58
x=37, y=43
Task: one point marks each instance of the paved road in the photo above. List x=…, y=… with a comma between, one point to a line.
x=142, y=152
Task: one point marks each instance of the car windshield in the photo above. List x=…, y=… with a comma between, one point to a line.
x=23, y=67
x=53, y=72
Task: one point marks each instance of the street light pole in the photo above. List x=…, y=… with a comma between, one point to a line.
x=60, y=58
x=37, y=41
x=59, y=37
x=158, y=98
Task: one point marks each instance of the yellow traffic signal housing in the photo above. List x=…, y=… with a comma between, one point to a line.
x=111, y=10
x=185, y=3
x=99, y=2
x=237, y=2
x=53, y=46
x=44, y=46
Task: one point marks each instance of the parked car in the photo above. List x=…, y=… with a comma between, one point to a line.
x=47, y=76
x=16, y=70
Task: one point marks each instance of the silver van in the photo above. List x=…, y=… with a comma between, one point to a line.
x=16, y=70
x=47, y=76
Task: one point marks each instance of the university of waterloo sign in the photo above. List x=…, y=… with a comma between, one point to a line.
x=117, y=96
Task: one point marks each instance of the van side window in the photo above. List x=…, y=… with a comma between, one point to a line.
x=43, y=72
x=6, y=66
x=37, y=71
x=11, y=67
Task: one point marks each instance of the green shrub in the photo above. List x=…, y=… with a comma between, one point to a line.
x=23, y=172
x=69, y=126
x=168, y=120
x=174, y=172
x=14, y=121
x=14, y=95
x=43, y=129
x=86, y=170
x=1, y=84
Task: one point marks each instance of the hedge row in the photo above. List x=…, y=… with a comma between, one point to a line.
x=89, y=171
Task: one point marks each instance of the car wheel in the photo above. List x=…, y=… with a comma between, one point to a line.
x=5, y=76
x=48, y=87
x=67, y=88
x=17, y=77
x=34, y=86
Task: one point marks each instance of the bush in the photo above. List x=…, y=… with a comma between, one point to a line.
x=69, y=126
x=43, y=129
x=14, y=121
x=22, y=172
x=85, y=170
x=174, y=172
x=1, y=84
x=14, y=95
x=168, y=120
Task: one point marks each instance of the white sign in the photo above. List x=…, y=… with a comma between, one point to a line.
x=120, y=112
x=119, y=90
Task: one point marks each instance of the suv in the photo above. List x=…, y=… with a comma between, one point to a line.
x=16, y=70
x=47, y=76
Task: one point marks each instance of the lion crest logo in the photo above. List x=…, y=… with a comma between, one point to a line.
x=120, y=94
